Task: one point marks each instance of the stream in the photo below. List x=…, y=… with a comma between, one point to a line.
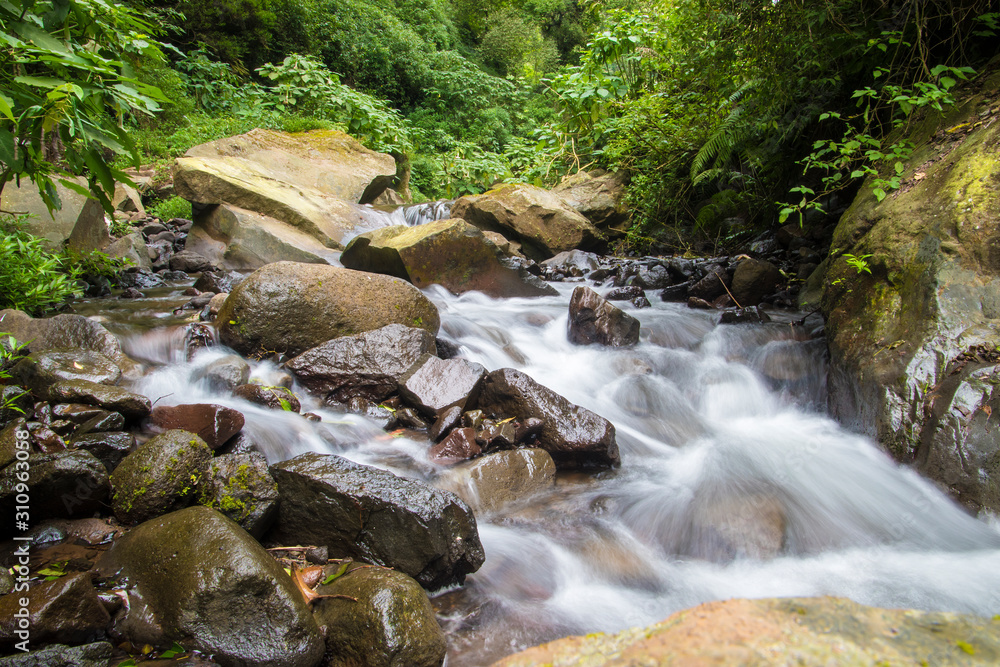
x=734, y=482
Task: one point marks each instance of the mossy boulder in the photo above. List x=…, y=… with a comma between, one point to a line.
x=392, y=624
x=451, y=253
x=197, y=578
x=240, y=486
x=160, y=476
x=542, y=222
x=41, y=370
x=810, y=632
x=288, y=307
x=913, y=343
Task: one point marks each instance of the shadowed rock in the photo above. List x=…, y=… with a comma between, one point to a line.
x=593, y=320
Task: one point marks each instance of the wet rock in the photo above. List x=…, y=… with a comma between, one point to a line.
x=573, y=436
x=215, y=305
x=625, y=293
x=541, y=221
x=276, y=398
x=66, y=484
x=41, y=370
x=447, y=420
x=753, y=280
x=9, y=440
x=214, y=424
x=817, y=631
x=160, y=476
x=498, y=435
x=90, y=655
x=526, y=430
x=115, y=399
x=751, y=315
x=392, y=624
x=218, y=281
x=45, y=439
x=65, y=610
x=712, y=285
x=190, y=262
x=573, y=262
x=131, y=247
x=240, y=443
x=289, y=308
x=500, y=480
x=368, y=365
x=197, y=338
x=174, y=276
x=226, y=373
x=88, y=419
x=131, y=293
x=678, y=292
x=460, y=445
x=199, y=302
x=699, y=304
x=139, y=279
x=66, y=332
x=434, y=385
x=199, y=579
x=379, y=414
x=240, y=486
x=109, y=448
x=372, y=515
x=655, y=276
x=744, y=527
x=451, y=253
x=594, y=320
x=641, y=302
x=409, y=418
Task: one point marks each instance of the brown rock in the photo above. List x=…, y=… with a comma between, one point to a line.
x=458, y=446
x=214, y=424
x=594, y=320
x=434, y=385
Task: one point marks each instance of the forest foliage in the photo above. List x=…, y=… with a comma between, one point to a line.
x=728, y=115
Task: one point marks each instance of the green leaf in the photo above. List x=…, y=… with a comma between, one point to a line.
x=899, y=167
x=339, y=573
x=6, y=106
x=879, y=193
x=40, y=81
x=174, y=651
x=7, y=147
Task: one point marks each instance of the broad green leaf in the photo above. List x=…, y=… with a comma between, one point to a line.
x=339, y=573
x=40, y=81
x=6, y=106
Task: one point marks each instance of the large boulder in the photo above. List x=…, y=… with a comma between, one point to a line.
x=234, y=238
x=310, y=181
x=240, y=486
x=197, y=578
x=389, y=623
x=40, y=370
x=451, y=253
x=592, y=319
x=368, y=364
x=372, y=515
x=215, y=424
x=80, y=220
x=113, y=399
x=288, y=307
x=131, y=247
x=541, y=221
x=597, y=196
x=66, y=332
x=65, y=610
x=753, y=280
x=913, y=342
x=573, y=436
x=810, y=632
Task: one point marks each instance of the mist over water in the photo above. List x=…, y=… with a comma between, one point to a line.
x=733, y=483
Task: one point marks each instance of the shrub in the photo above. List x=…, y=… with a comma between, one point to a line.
x=175, y=207
x=32, y=278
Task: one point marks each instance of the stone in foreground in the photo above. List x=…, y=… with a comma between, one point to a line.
x=197, y=578
x=806, y=632
x=372, y=515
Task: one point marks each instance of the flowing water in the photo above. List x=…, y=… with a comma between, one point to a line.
x=733, y=483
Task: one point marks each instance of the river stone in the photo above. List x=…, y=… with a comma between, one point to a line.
x=276, y=398
x=89, y=655
x=64, y=610
x=215, y=424
x=434, y=385
x=115, y=399
x=541, y=221
x=444, y=423
x=499, y=480
x=289, y=308
x=574, y=436
x=810, y=632
x=131, y=247
x=712, y=285
x=218, y=281
x=574, y=262
x=160, y=476
x=753, y=280
x=598, y=196
x=233, y=238
x=66, y=484
x=368, y=364
x=725, y=528
x=912, y=343
x=392, y=624
x=108, y=448
x=66, y=332
x=197, y=578
x=749, y=315
x=189, y=261
x=451, y=253
x=372, y=515
x=625, y=293
x=240, y=486
x=593, y=320
x=41, y=370
x=460, y=445
x=8, y=441
x=225, y=373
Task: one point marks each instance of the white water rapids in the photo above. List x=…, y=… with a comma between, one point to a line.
x=720, y=428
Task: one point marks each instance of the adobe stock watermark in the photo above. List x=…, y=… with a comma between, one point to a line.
x=22, y=523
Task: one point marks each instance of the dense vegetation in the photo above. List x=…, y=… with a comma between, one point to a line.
x=729, y=115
